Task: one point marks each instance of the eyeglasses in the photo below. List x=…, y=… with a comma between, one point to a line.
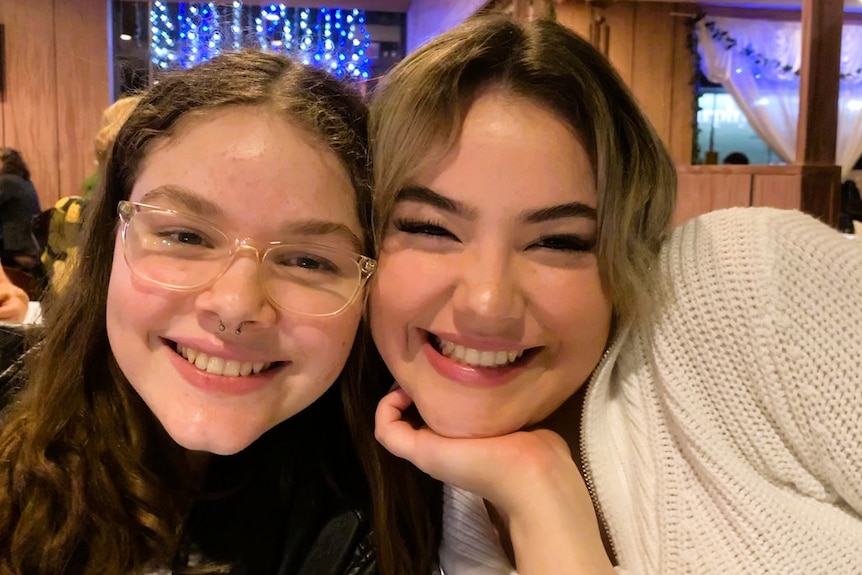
x=184, y=252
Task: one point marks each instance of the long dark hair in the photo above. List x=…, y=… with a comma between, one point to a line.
x=89, y=481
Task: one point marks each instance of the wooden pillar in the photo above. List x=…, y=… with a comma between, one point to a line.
x=521, y=10
x=822, y=22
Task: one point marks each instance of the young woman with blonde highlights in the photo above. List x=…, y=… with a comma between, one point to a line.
x=600, y=393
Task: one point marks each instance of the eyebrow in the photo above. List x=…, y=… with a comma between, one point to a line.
x=570, y=210
x=184, y=199
x=325, y=228
x=424, y=195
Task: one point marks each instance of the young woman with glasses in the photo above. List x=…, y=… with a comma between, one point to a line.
x=179, y=413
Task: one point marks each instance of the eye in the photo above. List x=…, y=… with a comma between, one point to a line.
x=310, y=263
x=422, y=227
x=292, y=260
x=565, y=243
x=185, y=237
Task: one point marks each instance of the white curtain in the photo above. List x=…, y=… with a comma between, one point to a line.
x=757, y=62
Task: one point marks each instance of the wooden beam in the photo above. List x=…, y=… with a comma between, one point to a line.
x=822, y=21
x=817, y=126
x=752, y=13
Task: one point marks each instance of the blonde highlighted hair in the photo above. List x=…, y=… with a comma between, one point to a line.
x=417, y=111
x=113, y=118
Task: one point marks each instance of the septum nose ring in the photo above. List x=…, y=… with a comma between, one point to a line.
x=237, y=331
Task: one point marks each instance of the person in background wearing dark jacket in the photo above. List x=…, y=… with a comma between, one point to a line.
x=180, y=414
x=19, y=203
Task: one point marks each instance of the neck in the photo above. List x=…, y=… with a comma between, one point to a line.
x=566, y=421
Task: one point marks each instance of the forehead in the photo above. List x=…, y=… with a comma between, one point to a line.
x=253, y=163
x=512, y=146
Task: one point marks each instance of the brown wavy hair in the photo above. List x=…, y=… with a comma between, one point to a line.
x=11, y=162
x=89, y=481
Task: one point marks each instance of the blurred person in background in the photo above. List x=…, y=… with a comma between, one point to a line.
x=19, y=204
x=66, y=221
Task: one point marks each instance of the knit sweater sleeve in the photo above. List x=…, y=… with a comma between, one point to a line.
x=784, y=319
x=816, y=291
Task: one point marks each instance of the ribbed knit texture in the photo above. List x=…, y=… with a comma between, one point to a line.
x=755, y=373
x=725, y=437
x=470, y=545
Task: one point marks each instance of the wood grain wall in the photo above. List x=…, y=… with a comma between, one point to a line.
x=647, y=44
x=56, y=86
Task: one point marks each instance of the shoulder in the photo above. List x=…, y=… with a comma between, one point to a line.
x=8, y=182
x=738, y=249
x=738, y=229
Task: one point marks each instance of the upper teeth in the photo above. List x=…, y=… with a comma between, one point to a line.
x=218, y=365
x=478, y=357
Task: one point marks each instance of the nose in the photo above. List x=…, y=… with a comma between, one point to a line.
x=237, y=297
x=489, y=294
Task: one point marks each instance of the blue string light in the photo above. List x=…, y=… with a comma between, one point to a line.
x=162, y=32
x=331, y=38
x=200, y=34
x=236, y=25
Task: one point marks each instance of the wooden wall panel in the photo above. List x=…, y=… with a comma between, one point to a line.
x=621, y=22
x=706, y=188
x=648, y=47
x=575, y=16
x=778, y=191
x=682, y=96
x=81, y=32
x=704, y=192
x=652, y=74
x=30, y=103
x=56, y=88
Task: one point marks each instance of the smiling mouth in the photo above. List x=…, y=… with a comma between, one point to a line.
x=215, y=365
x=477, y=357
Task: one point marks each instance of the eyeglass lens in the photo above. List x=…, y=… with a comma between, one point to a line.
x=181, y=251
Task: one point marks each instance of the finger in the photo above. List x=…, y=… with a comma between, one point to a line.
x=8, y=310
x=390, y=429
x=393, y=404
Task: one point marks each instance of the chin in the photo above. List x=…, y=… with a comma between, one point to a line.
x=225, y=443
x=461, y=426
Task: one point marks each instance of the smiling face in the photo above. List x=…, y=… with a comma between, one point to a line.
x=256, y=177
x=487, y=305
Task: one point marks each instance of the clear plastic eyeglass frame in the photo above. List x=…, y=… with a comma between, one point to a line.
x=317, y=281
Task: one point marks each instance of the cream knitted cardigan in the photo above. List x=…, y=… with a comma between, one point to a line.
x=726, y=436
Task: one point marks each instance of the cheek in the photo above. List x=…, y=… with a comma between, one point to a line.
x=405, y=284
x=397, y=296
x=328, y=343
x=579, y=311
x=136, y=312
x=119, y=291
